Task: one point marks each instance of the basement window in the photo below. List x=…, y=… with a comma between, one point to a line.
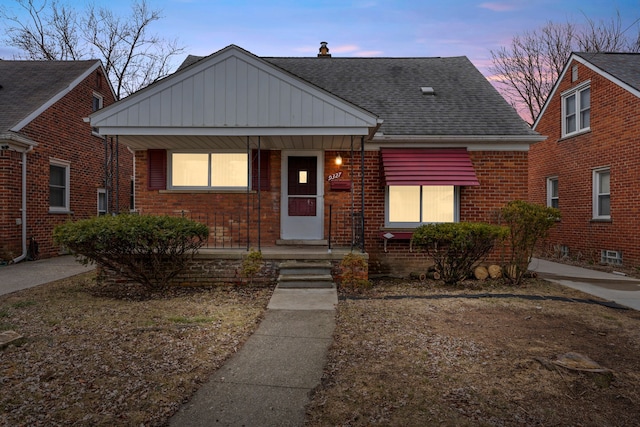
x=611, y=257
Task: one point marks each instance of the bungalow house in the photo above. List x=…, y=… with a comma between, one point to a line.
x=53, y=165
x=352, y=153
x=589, y=167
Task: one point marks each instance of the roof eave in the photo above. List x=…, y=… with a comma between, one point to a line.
x=471, y=142
x=16, y=141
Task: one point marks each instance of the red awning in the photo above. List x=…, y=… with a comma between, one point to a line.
x=428, y=166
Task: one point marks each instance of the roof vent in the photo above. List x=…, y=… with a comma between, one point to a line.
x=324, y=51
x=427, y=90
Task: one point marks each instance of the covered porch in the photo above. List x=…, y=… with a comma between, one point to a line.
x=249, y=149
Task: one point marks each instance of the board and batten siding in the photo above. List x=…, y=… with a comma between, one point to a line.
x=234, y=91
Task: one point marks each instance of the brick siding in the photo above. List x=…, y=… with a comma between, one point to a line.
x=502, y=176
x=61, y=134
x=612, y=142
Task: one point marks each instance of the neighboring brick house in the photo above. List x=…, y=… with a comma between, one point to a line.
x=589, y=167
x=48, y=148
x=292, y=150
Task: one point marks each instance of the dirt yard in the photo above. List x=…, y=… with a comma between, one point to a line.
x=410, y=354
x=419, y=354
x=89, y=359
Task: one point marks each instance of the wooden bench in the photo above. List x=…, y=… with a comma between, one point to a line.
x=390, y=234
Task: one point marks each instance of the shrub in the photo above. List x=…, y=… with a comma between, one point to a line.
x=147, y=249
x=456, y=247
x=528, y=223
x=354, y=272
x=251, y=264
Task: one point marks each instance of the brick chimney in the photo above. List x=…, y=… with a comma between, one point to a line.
x=324, y=51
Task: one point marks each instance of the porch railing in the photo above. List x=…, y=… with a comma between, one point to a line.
x=345, y=228
x=226, y=230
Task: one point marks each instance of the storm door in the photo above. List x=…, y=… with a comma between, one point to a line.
x=302, y=207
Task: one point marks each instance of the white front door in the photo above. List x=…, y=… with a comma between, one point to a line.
x=302, y=215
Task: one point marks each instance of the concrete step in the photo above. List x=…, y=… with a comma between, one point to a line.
x=305, y=281
x=305, y=268
x=305, y=274
x=296, y=242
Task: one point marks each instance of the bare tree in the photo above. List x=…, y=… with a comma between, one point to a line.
x=132, y=56
x=527, y=70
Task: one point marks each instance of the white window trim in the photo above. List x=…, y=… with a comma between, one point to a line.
x=596, y=192
x=170, y=185
x=67, y=166
x=387, y=224
x=106, y=201
x=550, y=191
x=576, y=93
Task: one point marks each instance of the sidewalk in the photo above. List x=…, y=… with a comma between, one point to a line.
x=27, y=274
x=267, y=383
x=612, y=287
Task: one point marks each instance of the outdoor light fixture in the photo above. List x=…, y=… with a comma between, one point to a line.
x=338, y=159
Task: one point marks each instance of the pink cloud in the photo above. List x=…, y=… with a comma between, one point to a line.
x=498, y=6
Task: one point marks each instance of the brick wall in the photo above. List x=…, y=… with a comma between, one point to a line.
x=10, y=204
x=613, y=142
x=223, y=211
x=502, y=176
x=62, y=134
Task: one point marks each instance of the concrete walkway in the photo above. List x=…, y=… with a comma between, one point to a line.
x=27, y=274
x=267, y=383
x=612, y=287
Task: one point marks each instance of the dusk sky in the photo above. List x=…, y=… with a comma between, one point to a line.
x=469, y=28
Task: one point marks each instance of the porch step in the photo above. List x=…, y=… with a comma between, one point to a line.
x=311, y=274
x=294, y=242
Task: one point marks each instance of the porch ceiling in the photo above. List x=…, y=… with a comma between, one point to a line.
x=281, y=142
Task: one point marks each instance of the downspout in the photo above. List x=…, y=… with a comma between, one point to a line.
x=24, y=207
x=362, y=178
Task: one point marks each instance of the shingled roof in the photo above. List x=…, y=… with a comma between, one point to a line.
x=28, y=86
x=463, y=102
x=623, y=66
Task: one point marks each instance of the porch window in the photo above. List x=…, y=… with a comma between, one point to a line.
x=209, y=170
x=412, y=205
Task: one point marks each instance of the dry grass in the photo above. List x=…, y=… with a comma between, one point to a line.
x=401, y=356
x=462, y=361
x=89, y=359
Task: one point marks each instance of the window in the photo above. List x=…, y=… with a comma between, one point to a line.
x=96, y=104
x=132, y=195
x=412, y=205
x=601, y=194
x=553, y=200
x=102, y=201
x=576, y=110
x=611, y=257
x=58, y=186
x=209, y=170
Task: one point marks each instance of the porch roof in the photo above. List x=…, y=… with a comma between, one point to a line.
x=227, y=97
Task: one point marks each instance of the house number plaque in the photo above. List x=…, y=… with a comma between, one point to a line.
x=334, y=176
